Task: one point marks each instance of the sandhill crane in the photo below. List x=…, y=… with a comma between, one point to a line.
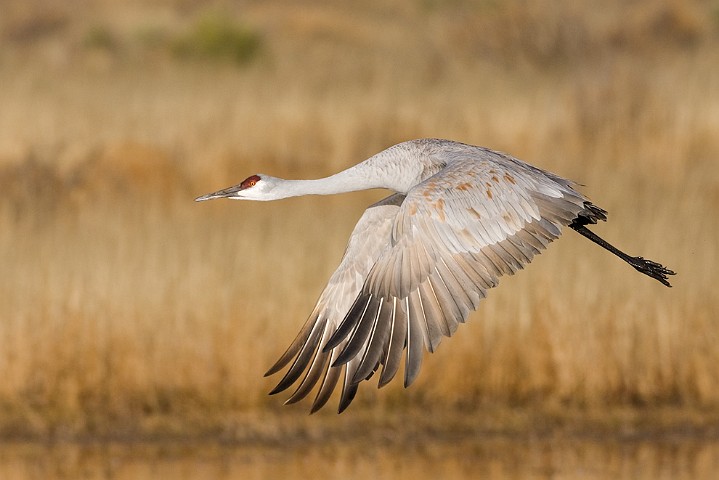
x=420, y=260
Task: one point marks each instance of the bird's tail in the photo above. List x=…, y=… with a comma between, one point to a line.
x=590, y=215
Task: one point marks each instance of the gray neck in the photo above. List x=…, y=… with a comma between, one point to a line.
x=346, y=181
x=388, y=169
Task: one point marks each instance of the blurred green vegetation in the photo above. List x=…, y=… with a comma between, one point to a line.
x=218, y=37
x=211, y=36
x=100, y=37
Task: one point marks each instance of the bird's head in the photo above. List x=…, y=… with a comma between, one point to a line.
x=255, y=187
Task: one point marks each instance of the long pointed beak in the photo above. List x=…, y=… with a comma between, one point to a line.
x=227, y=192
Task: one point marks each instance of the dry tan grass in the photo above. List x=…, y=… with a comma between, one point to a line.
x=124, y=304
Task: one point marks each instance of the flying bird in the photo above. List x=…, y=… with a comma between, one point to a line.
x=419, y=261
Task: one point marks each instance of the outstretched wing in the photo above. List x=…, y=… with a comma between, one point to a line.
x=455, y=234
x=370, y=237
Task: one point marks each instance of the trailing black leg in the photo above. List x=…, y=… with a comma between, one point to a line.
x=647, y=267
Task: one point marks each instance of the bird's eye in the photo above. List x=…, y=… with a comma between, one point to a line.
x=249, y=182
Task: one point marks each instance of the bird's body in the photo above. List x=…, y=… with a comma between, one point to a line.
x=419, y=261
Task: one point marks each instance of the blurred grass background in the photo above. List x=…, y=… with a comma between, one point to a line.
x=127, y=308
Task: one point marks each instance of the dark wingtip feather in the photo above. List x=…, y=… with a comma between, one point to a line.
x=328, y=385
x=315, y=408
x=296, y=345
x=365, y=325
x=348, y=323
x=277, y=389
x=348, y=394
x=274, y=368
x=304, y=356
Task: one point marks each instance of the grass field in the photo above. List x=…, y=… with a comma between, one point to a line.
x=126, y=307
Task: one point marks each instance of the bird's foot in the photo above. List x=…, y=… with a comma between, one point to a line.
x=653, y=269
